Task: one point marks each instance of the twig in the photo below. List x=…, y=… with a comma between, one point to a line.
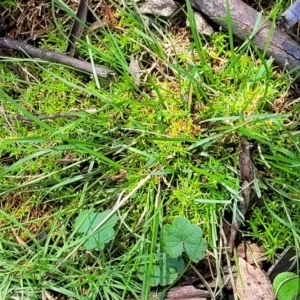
x=77, y=27
x=46, y=117
x=203, y=281
x=54, y=57
x=247, y=178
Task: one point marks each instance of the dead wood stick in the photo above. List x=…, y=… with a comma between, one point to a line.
x=291, y=16
x=54, y=57
x=77, y=27
x=284, y=50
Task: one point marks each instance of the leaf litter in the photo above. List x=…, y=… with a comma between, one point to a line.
x=252, y=283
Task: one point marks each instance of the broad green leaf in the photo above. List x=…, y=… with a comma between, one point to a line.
x=164, y=272
x=174, y=263
x=183, y=236
x=87, y=221
x=154, y=277
x=287, y=286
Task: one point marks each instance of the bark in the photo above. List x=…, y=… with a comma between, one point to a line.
x=54, y=57
x=284, y=50
x=247, y=178
x=291, y=16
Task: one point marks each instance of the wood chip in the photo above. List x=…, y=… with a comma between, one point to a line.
x=187, y=292
x=135, y=70
x=252, y=283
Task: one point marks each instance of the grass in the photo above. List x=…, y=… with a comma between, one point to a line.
x=171, y=143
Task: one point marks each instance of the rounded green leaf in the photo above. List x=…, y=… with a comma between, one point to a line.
x=163, y=272
x=183, y=236
x=88, y=221
x=287, y=286
x=172, y=270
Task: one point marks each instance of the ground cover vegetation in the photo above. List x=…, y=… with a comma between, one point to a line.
x=93, y=171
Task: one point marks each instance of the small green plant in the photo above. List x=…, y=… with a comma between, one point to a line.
x=287, y=286
x=89, y=224
x=7, y=3
x=164, y=271
x=182, y=236
x=179, y=238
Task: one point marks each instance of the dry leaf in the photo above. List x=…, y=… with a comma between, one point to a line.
x=96, y=25
x=135, y=70
x=251, y=252
x=252, y=283
x=19, y=240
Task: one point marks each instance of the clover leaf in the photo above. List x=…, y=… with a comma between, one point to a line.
x=287, y=286
x=87, y=221
x=163, y=272
x=183, y=236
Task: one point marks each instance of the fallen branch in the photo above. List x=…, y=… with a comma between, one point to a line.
x=54, y=57
x=244, y=19
x=291, y=16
